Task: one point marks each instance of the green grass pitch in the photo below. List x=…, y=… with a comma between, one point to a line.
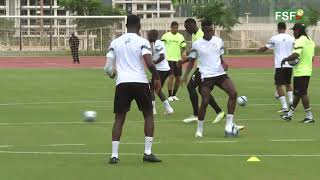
x=42, y=135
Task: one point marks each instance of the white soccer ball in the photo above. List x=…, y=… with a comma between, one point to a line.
x=90, y=116
x=242, y=100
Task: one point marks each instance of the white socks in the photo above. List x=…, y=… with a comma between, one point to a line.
x=115, y=147
x=200, y=126
x=290, y=96
x=283, y=102
x=308, y=113
x=166, y=103
x=291, y=112
x=229, y=122
x=148, y=145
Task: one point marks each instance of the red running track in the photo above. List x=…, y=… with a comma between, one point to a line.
x=99, y=61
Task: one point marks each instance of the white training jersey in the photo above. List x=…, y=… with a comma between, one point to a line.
x=208, y=54
x=160, y=48
x=127, y=50
x=282, y=45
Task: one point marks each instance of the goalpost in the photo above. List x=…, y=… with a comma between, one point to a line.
x=49, y=35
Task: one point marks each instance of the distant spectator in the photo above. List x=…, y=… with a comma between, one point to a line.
x=74, y=46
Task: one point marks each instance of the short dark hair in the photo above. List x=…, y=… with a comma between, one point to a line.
x=174, y=23
x=206, y=22
x=133, y=20
x=154, y=32
x=190, y=21
x=282, y=25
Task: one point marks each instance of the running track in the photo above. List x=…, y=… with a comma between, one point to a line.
x=99, y=61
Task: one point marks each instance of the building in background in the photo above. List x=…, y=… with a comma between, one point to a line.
x=146, y=8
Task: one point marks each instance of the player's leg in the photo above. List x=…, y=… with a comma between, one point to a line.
x=280, y=80
x=142, y=96
x=298, y=86
x=122, y=103
x=177, y=75
x=73, y=55
x=163, y=76
x=225, y=83
x=288, y=85
x=153, y=97
x=194, y=82
x=306, y=102
x=77, y=55
x=206, y=88
x=170, y=80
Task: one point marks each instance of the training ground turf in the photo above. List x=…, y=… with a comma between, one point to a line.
x=43, y=137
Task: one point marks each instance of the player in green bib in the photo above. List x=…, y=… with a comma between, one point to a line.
x=195, y=80
x=175, y=45
x=301, y=58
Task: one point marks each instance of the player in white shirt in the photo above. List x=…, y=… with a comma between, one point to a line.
x=125, y=59
x=208, y=51
x=282, y=44
x=163, y=68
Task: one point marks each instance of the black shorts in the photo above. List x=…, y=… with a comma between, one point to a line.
x=174, y=69
x=163, y=77
x=300, y=85
x=282, y=76
x=195, y=80
x=126, y=92
x=212, y=81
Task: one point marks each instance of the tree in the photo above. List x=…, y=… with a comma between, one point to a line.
x=221, y=15
x=311, y=18
x=90, y=8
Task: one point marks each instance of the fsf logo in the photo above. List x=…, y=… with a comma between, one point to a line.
x=289, y=15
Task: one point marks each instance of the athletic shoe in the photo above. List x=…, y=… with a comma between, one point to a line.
x=170, y=98
x=168, y=111
x=114, y=160
x=283, y=110
x=240, y=128
x=307, y=120
x=198, y=134
x=154, y=111
x=286, y=117
x=175, y=98
x=219, y=117
x=234, y=131
x=151, y=158
x=190, y=119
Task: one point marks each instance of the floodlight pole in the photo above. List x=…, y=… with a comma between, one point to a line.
x=50, y=41
x=20, y=28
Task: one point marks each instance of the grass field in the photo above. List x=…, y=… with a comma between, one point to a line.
x=43, y=136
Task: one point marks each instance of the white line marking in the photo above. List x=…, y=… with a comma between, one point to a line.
x=53, y=145
x=207, y=142
x=111, y=122
x=292, y=140
x=136, y=143
x=183, y=155
x=53, y=102
x=5, y=146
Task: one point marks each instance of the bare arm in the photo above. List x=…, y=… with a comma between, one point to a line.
x=188, y=69
x=263, y=49
x=161, y=58
x=152, y=68
x=292, y=57
x=224, y=64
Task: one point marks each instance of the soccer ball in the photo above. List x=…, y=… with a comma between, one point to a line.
x=234, y=131
x=90, y=116
x=242, y=100
x=294, y=62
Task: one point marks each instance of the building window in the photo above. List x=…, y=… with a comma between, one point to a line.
x=33, y=12
x=47, y=2
x=33, y=3
x=2, y=2
x=139, y=6
x=2, y=12
x=61, y=12
x=24, y=3
x=149, y=15
x=151, y=7
x=165, y=6
x=164, y=15
x=140, y=16
x=24, y=12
